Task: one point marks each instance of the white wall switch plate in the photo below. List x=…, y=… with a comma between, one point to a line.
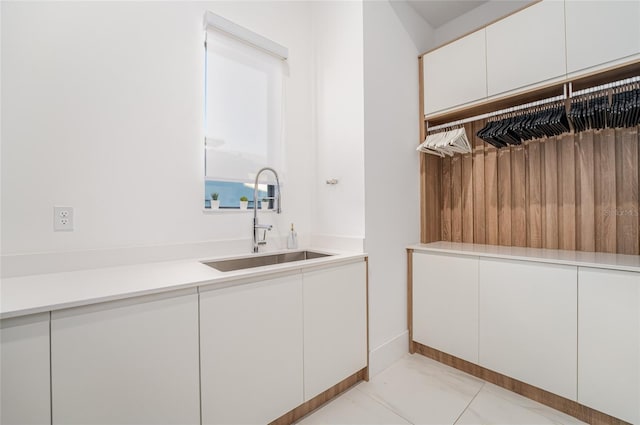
x=63, y=219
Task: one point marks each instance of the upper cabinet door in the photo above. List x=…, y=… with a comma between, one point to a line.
x=455, y=74
x=601, y=31
x=526, y=48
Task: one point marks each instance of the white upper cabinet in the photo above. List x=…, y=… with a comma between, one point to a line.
x=527, y=48
x=456, y=73
x=601, y=31
x=609, y=342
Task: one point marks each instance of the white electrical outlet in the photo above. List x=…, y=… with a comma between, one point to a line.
x=63, y=219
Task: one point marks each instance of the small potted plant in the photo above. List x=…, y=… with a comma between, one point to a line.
x=265, y=204
x=244, y=201
x=215, y=203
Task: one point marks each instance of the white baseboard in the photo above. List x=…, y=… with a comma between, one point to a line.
x=388, y=353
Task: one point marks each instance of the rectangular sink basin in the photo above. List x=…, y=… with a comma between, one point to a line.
x=263, y=260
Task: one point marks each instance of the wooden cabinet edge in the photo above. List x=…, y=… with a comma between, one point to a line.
x=366, y=261
x=322, y=398
x=410, y=299
x=570, y=407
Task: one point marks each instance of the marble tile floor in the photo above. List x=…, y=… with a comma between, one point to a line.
x=418, y=390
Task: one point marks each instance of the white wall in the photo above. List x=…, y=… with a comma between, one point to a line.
x=391, y=175
x=475, y=19
x=421, y=33
x=102, y=111
x=339, y=120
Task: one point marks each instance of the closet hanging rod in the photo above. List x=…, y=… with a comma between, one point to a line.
x=500, y=112
x=602, y=87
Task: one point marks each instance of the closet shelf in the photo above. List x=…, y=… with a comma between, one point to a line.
x=537, y=93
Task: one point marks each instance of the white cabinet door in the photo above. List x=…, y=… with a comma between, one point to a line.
x=335, y=326
x=601, y=31
x=24, y=358
x=251, y=348
x=445, y=303
x=127, y=362
x=526, y=48
x=528, y=323
x=455, y=73
x=609, y=342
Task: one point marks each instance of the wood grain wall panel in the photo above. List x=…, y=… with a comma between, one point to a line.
x=491, y=194
x=572, y=192
x=430, y=171
x=566, y=193
x=543, y=205
x=518, y=197
x=605, y=177
x=550, y=224
x=585, y=206
x=479, y=213
x=535, y=195
x=627, y=191
x=431, y=198
x=467, y=198
x=456, y=198
x=504, y=197
x=446, y=199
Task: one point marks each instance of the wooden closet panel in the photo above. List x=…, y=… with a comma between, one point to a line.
x=456, y=198
x=585, y=206
x=479, y=213
x=518, y=197
x=535, y=195
x=566, y=193
x=491, y=194
x=430, y=170
x=550, y=182
x=504, y=197
x=572, y=192
x=446, y=199
x=467, y=197
x=627, y=191
x=605, y=193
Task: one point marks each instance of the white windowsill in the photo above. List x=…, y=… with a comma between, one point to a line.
x=233, y=211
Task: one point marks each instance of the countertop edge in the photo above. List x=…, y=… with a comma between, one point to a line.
x=539, y=255
x=222, y=279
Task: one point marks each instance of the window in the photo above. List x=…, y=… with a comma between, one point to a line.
x=244, y=86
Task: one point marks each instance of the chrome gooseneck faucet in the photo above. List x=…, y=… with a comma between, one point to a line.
x=277, y=198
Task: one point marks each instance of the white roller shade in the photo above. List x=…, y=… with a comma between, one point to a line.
x=244, y=108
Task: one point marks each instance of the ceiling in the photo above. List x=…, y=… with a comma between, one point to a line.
x=439, y=12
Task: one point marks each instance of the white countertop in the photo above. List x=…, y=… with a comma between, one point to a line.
x=24, y=295
x=555, y=256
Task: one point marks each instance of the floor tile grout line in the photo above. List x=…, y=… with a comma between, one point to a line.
x=469, y=404
x=385, y=406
